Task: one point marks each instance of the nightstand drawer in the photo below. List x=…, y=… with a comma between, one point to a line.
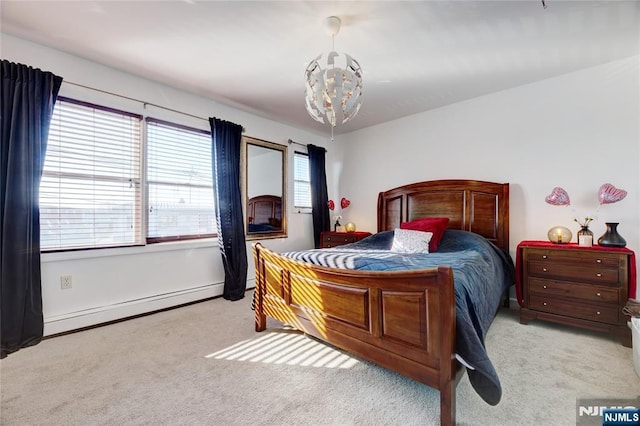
x=545, y=288
x=574, y=272
x=339, y=239
x=333, y=239
x=584, y=258
x=600, y=313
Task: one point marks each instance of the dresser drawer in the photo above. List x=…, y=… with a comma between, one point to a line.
x=599, y=313
x=574, y=272
x=546, y=288
x=585, y=258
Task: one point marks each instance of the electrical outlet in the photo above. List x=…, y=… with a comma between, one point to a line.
x=65, y=282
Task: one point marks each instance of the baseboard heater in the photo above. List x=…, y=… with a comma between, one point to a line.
x=104, y=314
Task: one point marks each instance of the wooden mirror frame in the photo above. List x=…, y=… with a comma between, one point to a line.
x=264, y=199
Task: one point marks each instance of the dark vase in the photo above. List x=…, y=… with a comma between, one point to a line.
x=585, y=236
x=611, y=238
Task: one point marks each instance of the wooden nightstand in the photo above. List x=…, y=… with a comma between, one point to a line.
x=332, y=239
x=578, y=286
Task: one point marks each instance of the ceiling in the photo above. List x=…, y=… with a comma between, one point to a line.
x=415, y=55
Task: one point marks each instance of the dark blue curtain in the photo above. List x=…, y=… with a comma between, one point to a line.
x=227, y=138
x=27, y=100
x=319, y=195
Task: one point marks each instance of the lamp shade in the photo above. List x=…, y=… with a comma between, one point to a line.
x=333, y=88
x=559, y=235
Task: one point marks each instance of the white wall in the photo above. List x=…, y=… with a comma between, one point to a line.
x=113, y=283
x=576, y=131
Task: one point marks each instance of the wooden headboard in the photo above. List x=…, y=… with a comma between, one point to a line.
x=265, y=210
x=471, y=205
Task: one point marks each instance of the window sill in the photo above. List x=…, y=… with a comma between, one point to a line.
x=133, y=250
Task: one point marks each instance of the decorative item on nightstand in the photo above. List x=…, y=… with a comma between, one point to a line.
x=344, y=203
x=585, y=237
x=558, y=197
x=607, y=194
x=559, y=235
x=611, y=238
x=350, y=227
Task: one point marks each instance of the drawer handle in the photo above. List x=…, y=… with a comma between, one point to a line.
x=598, y=274
x=544, y=256
x=544, y=269
x=598, y=313
x=598, y=294
x=598, y=260
x=544, y=303
x=544, y=286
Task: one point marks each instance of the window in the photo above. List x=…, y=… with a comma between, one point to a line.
x=90, y=192
x=301, y=181
x=179, y=182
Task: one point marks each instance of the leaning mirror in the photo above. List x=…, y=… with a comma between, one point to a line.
x=265, y=189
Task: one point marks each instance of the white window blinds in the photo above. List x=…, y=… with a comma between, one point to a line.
x=301, y=181
x=90, y=193
x=179, y=181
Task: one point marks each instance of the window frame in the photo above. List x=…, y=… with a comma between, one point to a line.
x=135, y=181
x=296, y=182
x=147, y=204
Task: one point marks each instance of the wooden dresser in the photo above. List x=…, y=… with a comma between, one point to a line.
x=332, y=239
x=577, y=286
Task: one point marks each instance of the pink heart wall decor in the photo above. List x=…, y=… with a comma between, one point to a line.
x=331, y=205
x=344, y=203
x=558, y=197
x=609, y=194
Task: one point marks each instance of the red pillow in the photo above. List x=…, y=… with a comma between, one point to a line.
x=435, y=225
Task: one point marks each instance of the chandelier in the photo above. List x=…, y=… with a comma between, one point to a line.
x=333, y=83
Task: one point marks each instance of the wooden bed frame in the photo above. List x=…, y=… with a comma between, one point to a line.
x=402, y=320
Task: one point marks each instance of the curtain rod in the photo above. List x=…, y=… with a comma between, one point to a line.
x=297, y=143
x=144, y=103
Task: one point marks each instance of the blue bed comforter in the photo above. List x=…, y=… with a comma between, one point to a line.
x=482, y=273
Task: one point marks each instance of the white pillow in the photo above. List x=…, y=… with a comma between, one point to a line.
x=410, y=241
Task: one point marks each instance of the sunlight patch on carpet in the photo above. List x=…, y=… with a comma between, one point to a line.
x=286, y=349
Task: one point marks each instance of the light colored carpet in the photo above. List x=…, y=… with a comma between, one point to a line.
x=204, y=365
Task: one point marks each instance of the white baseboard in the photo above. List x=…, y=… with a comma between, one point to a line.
x=98, y=315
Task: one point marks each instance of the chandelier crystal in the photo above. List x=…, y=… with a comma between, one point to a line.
x=333, y=84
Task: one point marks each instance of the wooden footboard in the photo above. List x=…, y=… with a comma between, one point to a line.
x=401, y=320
